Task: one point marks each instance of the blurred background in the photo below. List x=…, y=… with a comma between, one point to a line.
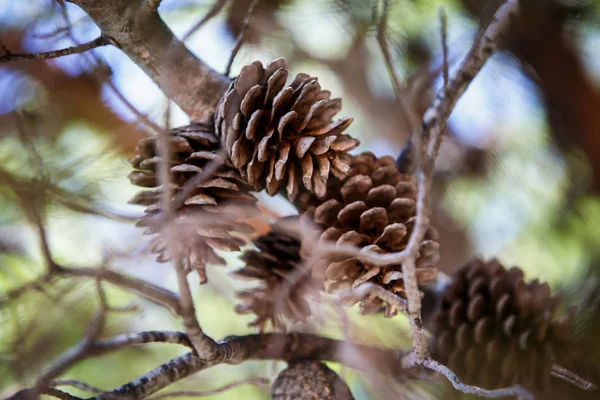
x=518, y=177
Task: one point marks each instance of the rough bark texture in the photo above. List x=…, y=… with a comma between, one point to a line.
x=309, y=380
x=144, y=37
x=274, y=346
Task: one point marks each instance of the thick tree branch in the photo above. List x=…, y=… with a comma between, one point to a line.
x=144, y=37
x=102, y=40
x=273, y=346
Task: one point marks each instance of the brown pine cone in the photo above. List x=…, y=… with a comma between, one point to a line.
x=208, y=218
x=494, y=330
x=278, y=135
x=372, y=208
x=285, y=282
x=309, y=380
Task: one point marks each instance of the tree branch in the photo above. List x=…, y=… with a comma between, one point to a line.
x=250, y=381
x=144, y=37
x=516, y=391
x=101, y=40
x=149, y=291
x=432, y=127
x=273, y=346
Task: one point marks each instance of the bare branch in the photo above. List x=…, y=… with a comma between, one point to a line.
x=240, y=39
x=149, y=291
x=251, y=381
x=77, y=384
x=273, y=346
x=145, y=38
x=131, y=339
x=571, y=377
x=102, y=40
x=370, y=289
x=79, y=351
x=206, y=348
x=406, y=109
x=215, y=10
x=432, y=127
x=444, y=36
x=513, y=391
x=36, y=284
x=59, y=394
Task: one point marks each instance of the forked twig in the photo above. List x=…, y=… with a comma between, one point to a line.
x=7, y=56
x=516, y=390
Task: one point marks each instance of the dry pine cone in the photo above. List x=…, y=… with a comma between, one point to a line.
x=372, y=208
x=494, y=330
x=283, y=136
x=309, y=380
x=208, y=217
x=284, y=285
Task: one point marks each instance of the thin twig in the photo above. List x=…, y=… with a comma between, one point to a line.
x=205, y=347
x=147, y=290
x=407, y=111
x=250, y=381
x=77, y=352
x=214, y=10
x=444, y=36
x=36, y=284
x=193, y=183
x=571, y=377
x=240, y=39
x=517, y=390
x=94, y=62
x=131, y=339
x=14, y=57
x=353, y=296
x=76, y=384
x=59, y=394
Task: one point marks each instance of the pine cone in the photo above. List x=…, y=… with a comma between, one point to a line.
x=209, y=217
x=309, y=380
x=283, y=136
x=372, y=208
x=285, y=284
x=495, y=330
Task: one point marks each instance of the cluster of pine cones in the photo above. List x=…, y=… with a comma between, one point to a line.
x=284, y=139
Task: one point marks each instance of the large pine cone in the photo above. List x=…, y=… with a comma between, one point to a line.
x=495, y=330
x=372, y=208
x=278, y=135
x=285, y=282
x=208, y=218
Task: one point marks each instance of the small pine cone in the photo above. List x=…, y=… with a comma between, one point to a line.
x=208, y=218
x=372, y=208
x=283, y=136
x=285, y=284
x=309, y=380
x=494, y=330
